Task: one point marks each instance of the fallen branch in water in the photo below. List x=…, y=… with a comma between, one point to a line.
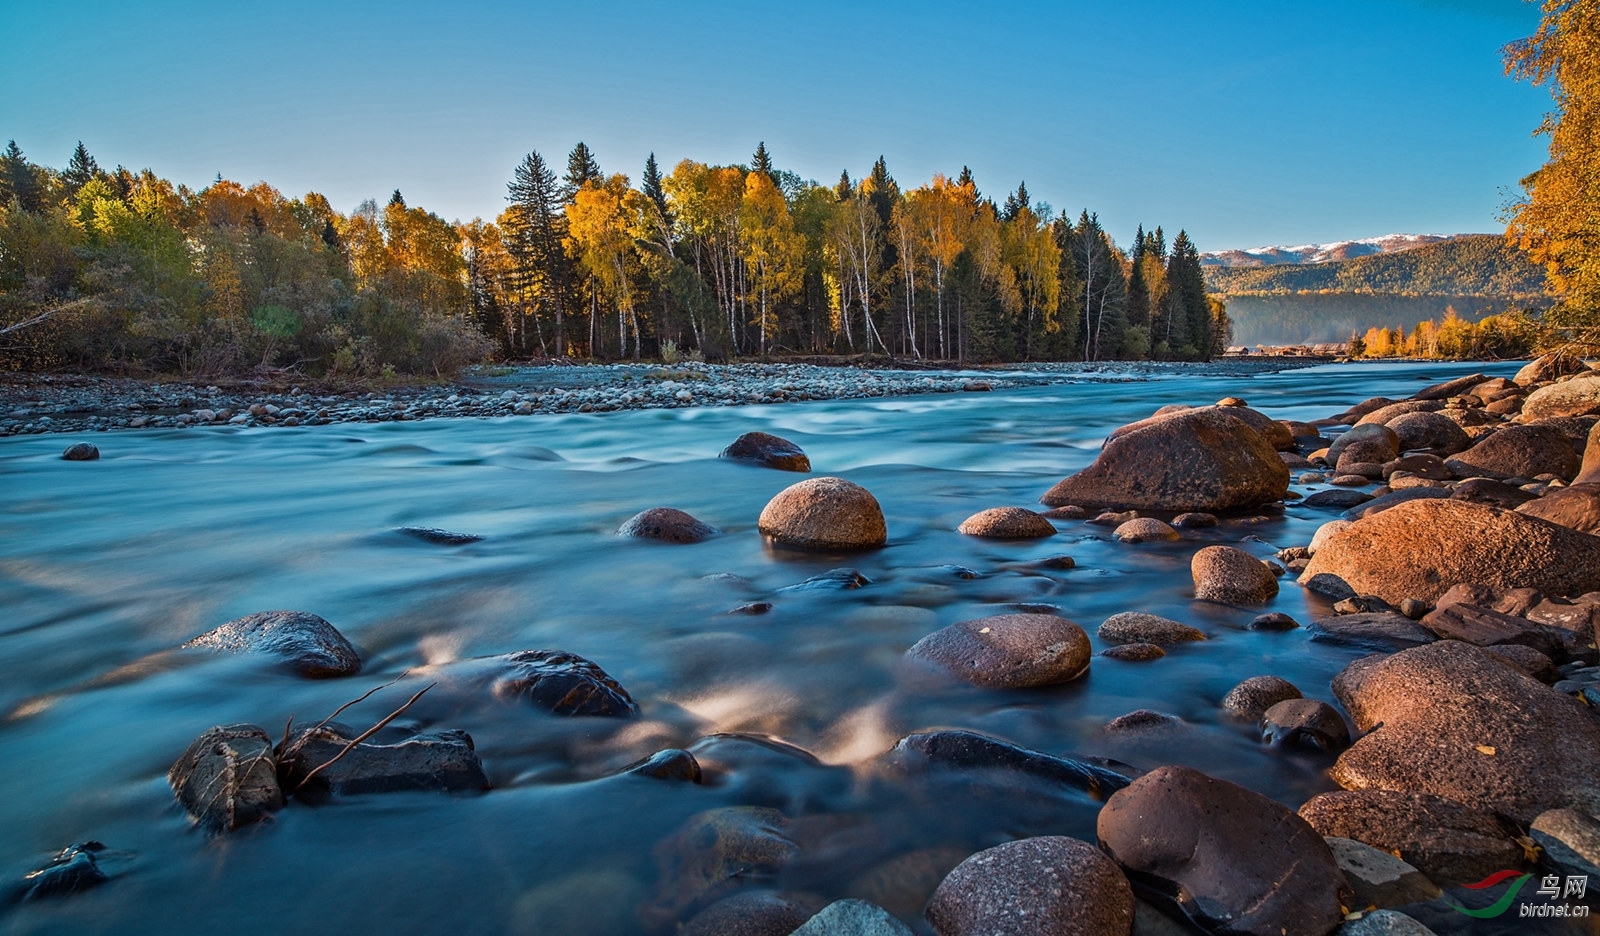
x=359, y=738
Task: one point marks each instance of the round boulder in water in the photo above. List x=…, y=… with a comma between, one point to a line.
x=1008, y=651
x=308, y=643
x=1046, y=884
x=825, y=513
x=1144, y=529
x=768, y=451
x=1231, y=576
x=667, y=524
x=561, y=683
x=1251, y=698
x=1007, y=523
x=1133, y=627
x=81, y=451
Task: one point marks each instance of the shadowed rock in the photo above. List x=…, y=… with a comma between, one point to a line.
x=80, y=451
x=1251, y=698
x=1008, y=651
x=1379, y=878
x=74, y=870
x=227, y=778
x=1518, y=452
x=1440, y=434
x=306, y=642
x=1394, y=498
x=439, y=537
x=968, y=750
x=667, y=525
x=852, y=917
x=1305, y=722
x=1048, y=884
x=435, y=761
x=1446, y=840
x=769, y=451
x=1385, y=631
x=1449, y=388
x=1576, y=507
x=558, y=682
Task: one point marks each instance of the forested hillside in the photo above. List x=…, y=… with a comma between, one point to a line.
x=115, y=269
x=1296, y=303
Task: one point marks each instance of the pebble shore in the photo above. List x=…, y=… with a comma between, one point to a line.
x=32, y=404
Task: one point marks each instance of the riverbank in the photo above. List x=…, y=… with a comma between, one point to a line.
x=38, y=403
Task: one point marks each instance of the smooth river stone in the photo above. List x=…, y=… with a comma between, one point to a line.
x=1008, y=651
x=825, y=513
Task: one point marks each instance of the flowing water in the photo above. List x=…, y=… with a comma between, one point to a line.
x=105, y=567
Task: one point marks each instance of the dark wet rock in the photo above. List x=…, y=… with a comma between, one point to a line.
x=434, y=761
x=1047, y=884
x=1326, y=584
x=1484, y=627
x=1576, y=507
x=1007, y=523
x=1449, y=842
x=962, y=572
x=1134, y=652
x=560, y=683
x=1008, y=651
x=769, y=451
x=967, y=750
x=1383, y=923
x=1437, y=433
x=74, y=870
x=1518, y=452
x=1131, y=627
x=1274, y=620
x=1337, y=499
x=1231, y=576
x=228, y=778
x=1383, y=631
x=825, y=513
x=439, y=537
x=1449, y=388
x=1451, y=720
x=903, y=884
x=755, y=913
x=1203, y=459
x=1421, y=548
x=1305, y=722
x=1490, y=492
x=1378, y=878
x=1228, y=858
x=1143, y=721
x=841, y=579
x=1393, y=499
x=713, y=853
x=852, y=917
x=81, y=451
x=752, y=608
x=1056, y=562
x=668, y=525
x=1194, y=520
x=306, y=642
x=1579, y=396
x=670, y=764
x=1570, y=840
x=1251, y=698
x=1528, y=660
x=1145, y=529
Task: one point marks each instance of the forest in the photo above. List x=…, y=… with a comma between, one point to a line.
x=116, y=270
x=1482, y=266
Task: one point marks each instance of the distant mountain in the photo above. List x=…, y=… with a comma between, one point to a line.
x=1294, y=303
x=1323, y=253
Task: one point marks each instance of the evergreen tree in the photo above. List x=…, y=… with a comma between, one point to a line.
x=581, y=168
x=651, y=185
x=1190, y=327
x=396, y=200
x=330, y=236
x=80, y=169
x=1102, y=289
x=18, y=180
x=883, y=191
x=1015, y=202
x=845, y=188
x=966, y=179
x=762, y=162
x=537, y=226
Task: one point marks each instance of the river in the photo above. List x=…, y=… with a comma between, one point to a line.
x=107, y=566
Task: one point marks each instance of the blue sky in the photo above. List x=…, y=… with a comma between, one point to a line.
x=1245, y=122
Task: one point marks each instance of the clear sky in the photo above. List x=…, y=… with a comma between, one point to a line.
x=1248, y=122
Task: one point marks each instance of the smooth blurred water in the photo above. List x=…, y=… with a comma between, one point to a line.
x=107, y=566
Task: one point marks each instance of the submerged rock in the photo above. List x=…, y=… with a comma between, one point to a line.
x=1305, y=722
x=1132, y=627
x=439, y=537
x=1204, y=459
x=853, y=917
x=309, y=644
x=751, y=913
x=841, y=579
x=228, y=778
x=1007, y=523
x=1226, y=857
x=712, y=853
x=1048, y=884
x=435, y=761
x=74, y=870
x=80, y=451
x=825, y=513
x=667, y=524
x=1008, y=651
x=1134, y=652
x=968, y=750
x=559, y=682
x=769, y=451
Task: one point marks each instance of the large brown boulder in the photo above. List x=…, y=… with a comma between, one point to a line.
x=1549, y=367
x=1518, y=452
x=1446, y=840
x=1420, y=548
x=1231, y=576
x=1048, y=884
x=767, y=450
x=1387, y=414
x=1441, y=434
x=1450, y=719
x=1231, y=859
x=1368, y=442
x=1008, y=651
x=1577, y=507
x=1450, y=388
x=1590, y=472
x=825, y=513
x=1579, y=396
x=1204, y=459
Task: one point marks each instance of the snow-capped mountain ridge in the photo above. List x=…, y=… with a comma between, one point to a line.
x=1322, y=253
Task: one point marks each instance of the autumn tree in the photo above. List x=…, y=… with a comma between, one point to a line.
x=600, y=226
x=771, y=250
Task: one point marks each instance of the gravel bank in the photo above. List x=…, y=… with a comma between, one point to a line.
x=32, y=403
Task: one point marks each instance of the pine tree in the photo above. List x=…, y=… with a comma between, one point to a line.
x=1015, y=202
x=845, y=188
x=966, y=179
x=534, y=234
x=762, y=162
x=651, y=185
x=581, y=168
x=18, y=181
x=396, y=200
x=1190, y=322
x=80, y=169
